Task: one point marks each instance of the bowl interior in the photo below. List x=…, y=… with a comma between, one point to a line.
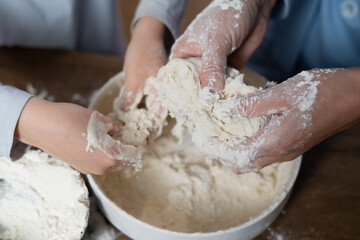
x=102, y=102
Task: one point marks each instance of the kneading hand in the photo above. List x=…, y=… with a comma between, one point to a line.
x=60, y=130
x=224, y=27
x=304, y=110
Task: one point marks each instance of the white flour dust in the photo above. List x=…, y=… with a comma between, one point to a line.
x=226, y=4
x=43, y=93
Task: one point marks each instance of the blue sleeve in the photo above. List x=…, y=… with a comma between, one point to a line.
x=12, y=101
x=169, y=12
x=281, y=9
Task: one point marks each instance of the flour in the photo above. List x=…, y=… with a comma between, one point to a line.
x=226, y=4
x=41, y=198
x=305, y=101
x=207, y=115
x=78, y=98
x=43, y=93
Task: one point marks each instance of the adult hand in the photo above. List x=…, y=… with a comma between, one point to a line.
x=304, y=110
x=224, y=27
x=60, y=130
x=144, y=57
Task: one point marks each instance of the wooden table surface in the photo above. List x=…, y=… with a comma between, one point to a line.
x=325, y=202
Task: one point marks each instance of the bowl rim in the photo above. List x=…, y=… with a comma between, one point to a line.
x=276, y=202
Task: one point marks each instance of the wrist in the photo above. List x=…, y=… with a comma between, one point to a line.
x=338, y=97
x=149, y=28
x=350, y=83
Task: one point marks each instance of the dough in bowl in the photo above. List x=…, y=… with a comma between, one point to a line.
x=206, y=115
x=179, y=187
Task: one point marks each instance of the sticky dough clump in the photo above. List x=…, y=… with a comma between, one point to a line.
x=206, y=115
x=178, y=187
x=141, y=125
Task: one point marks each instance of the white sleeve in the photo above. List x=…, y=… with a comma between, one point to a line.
x=12, y=101
x=169, y=12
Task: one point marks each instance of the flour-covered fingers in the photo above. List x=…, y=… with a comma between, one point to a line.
x=213, y=67
x=267, y=144
x=98, y=137
x=263, y=103
x=215, y=33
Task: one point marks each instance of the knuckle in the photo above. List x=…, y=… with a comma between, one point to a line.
x=111, y=162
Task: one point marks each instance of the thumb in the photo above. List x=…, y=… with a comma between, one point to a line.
x=261, y=103
x=213, y=67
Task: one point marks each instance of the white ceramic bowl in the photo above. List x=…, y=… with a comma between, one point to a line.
x=137, y=229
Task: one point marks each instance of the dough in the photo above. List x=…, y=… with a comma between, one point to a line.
x=207, y=115
x=180, y=188
x=41, y=198
x=142, y=125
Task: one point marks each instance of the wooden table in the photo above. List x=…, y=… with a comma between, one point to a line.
x=325, y=203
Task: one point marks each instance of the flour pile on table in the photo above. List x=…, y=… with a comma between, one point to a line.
x=41, y=198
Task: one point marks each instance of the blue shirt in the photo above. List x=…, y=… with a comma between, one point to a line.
x=306, y=34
